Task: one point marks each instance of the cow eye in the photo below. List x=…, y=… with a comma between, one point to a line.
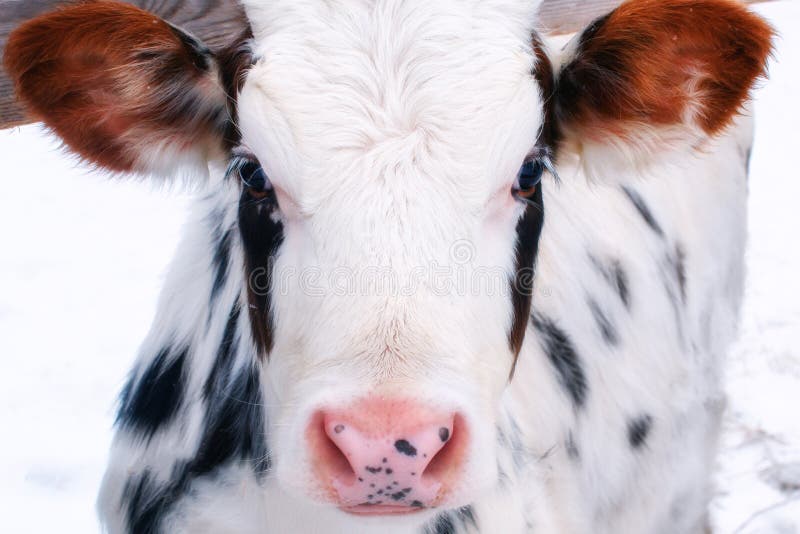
x=528, y=178
x=254, y=179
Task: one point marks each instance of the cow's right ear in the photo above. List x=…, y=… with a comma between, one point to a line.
x=124, y=89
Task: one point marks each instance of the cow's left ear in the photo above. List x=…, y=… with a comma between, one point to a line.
x=124, y=89
x=658, y=72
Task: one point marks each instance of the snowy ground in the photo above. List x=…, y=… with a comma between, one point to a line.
x=82, y=260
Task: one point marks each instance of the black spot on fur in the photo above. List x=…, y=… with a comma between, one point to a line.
x=678, y=262
x=221, y=371
x=638, y=430
x=529, y=230
x=150, y=402
x=563, y=357
x=139, y=494
x=616, y=277
x=607, y=329
x=621, y=283
x=443, y=524
x=404, y=447
x=235, y=431
x=235, y=427
x=444, y=434
x=221, y=260
x=447, y=523
x=643, y=209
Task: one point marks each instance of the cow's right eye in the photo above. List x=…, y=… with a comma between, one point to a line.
x=254, y=178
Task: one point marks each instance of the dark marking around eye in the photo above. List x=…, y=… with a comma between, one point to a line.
x=261, y=236
x=404, y=447
x=529, y=229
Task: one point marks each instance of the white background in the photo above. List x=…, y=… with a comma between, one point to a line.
x=82, y=258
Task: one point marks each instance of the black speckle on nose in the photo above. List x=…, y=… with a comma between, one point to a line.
x=338, y=429
x=389, y=471
x=416, y=504
x=385, y=460
x=374, y=470
x=404, y=447
x=444, y=434
x=398, y=496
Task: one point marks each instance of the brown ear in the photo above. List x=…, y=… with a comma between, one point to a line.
x=124, y=89
x=661, y=63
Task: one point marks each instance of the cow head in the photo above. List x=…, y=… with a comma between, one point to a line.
x=387, y=159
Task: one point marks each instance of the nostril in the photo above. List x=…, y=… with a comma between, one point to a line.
x=447, y=460
x=329, y=456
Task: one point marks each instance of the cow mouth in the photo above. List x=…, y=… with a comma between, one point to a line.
x=381, y=509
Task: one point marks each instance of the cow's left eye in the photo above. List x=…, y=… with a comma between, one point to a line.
x=528, y=178
x=254, y=178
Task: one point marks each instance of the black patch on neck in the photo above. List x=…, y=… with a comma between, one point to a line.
x=149, y=403
x=223, y=366
x=529, y=230
x=643, y=209
x=638, y=430
x=559, y=350
x=139, y=493
x=234, y=431
x=262, y=235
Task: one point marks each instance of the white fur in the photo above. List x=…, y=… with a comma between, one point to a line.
x=394, y=130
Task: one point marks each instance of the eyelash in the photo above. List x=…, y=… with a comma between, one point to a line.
x=251, y=174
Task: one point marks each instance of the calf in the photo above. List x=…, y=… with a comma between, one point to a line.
x=388, y=313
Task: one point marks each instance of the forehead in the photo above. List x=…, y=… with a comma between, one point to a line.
x=360, y=87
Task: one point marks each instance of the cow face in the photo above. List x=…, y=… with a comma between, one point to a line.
x=387, y=159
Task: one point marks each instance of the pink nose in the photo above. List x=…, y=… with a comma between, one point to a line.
x=383, y=456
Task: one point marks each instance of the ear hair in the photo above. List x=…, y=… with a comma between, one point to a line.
x=124, y=89
x=658, y=74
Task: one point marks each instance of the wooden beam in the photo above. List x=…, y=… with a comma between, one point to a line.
x=215, y=21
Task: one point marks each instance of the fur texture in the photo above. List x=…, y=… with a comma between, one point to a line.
x=388, y=253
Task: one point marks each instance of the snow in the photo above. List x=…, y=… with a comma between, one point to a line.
x=84, y=256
